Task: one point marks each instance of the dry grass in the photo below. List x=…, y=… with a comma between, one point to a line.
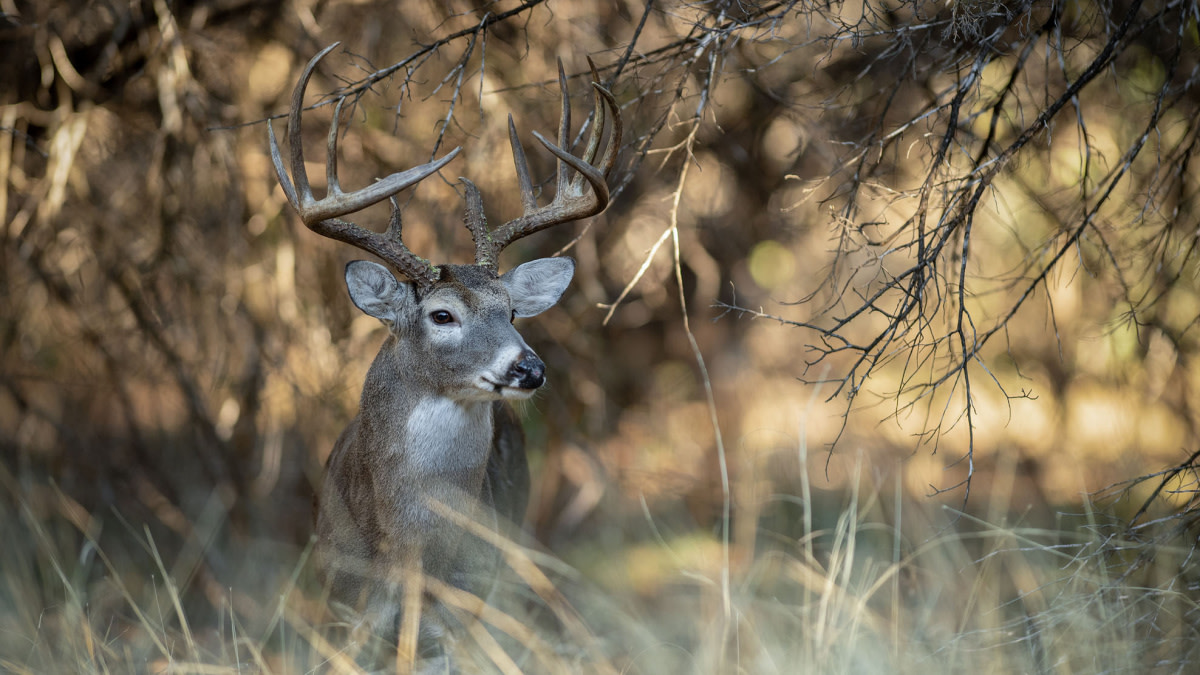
x=915, y=591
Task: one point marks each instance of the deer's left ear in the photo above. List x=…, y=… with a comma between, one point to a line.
x=535, y=286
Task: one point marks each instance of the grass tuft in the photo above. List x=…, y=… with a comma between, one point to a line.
x=906, y=589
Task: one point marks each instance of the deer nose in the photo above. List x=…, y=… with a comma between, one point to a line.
x=529, y=372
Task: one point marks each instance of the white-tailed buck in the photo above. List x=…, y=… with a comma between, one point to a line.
x=434, y=422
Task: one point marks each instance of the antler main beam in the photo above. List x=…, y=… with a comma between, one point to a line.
x=581, y=186
x=572, y=199
x=323, y=216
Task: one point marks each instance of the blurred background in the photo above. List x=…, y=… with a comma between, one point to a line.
x=939, y=253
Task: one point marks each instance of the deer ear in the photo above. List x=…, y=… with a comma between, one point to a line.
x=535, y=286
x=376, y=291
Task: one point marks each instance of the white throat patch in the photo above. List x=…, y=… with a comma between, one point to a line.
x=449, y=436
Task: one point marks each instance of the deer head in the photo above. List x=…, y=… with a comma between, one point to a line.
x=456, y=340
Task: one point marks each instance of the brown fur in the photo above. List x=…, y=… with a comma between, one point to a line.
x=433, y=424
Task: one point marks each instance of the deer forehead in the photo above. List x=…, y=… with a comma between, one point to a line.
x=471, y=288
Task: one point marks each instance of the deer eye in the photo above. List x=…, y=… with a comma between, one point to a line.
x=441, y=317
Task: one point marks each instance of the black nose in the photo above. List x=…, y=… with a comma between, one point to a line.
x=529, y=372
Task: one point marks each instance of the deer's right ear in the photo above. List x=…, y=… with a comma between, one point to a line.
x=376, y=291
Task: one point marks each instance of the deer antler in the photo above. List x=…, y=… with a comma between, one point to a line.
x=572, y=200
x=323, y=215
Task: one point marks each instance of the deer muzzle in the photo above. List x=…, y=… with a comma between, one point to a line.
x=529, y=372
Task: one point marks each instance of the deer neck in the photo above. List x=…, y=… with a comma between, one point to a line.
x=423, y=434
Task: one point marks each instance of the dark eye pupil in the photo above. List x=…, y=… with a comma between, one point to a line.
x=442, y=317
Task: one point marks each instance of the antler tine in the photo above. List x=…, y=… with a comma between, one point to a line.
x=528, y=200
x=564, y=123
x=614, y=143
x=571, y=200
x=598, y=120
x=295, y=145
x=323, y=215
x=475, y=220
x=333, y=186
